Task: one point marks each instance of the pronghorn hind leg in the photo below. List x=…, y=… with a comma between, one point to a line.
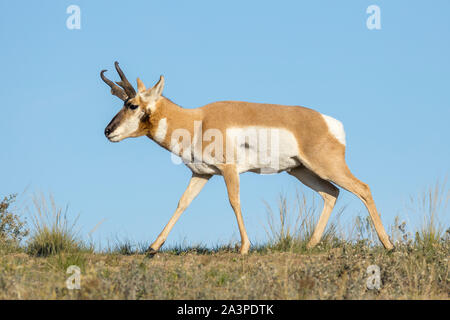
x=196, y=184
x=231, y=177
x=327, y=191
x=345, y=179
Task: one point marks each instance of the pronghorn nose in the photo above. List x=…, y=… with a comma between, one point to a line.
x=107, y=132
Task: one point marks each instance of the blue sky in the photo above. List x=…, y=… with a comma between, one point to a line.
x=389, y=87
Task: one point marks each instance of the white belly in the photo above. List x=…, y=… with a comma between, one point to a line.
x=263, y=150
x=257, y=149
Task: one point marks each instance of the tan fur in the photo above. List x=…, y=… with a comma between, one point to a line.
x=140, y=85
x=307, y=125
x=322, y=156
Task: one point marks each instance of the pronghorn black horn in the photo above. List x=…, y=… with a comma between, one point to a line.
x=115, y=90
x=124, y=83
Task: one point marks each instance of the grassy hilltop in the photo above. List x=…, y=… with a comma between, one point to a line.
x=34, y=262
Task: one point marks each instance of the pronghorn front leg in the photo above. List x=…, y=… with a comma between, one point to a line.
x=231, y=176
x=193, y=189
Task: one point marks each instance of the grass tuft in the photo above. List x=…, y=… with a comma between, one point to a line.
x=291, y=226
x=432, y=204
x=53, y=233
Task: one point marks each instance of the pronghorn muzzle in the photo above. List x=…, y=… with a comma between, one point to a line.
x=115, y=122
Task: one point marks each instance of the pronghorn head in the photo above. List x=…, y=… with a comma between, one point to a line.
x=132, y=119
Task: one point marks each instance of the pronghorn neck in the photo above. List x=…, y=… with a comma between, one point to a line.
x=168, y=116
x=165, y=107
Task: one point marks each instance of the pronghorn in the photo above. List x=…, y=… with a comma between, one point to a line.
x=309, y=146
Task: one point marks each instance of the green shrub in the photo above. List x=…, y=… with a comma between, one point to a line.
x=12, y=228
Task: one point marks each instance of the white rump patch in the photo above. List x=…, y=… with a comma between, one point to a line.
x=336, y=128
x=161, y=131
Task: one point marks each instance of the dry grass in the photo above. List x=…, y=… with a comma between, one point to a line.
x=281, y=269
x=338, y=274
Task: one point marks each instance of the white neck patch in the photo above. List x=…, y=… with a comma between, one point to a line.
x=161, y=131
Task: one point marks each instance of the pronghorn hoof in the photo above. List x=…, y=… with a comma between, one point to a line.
x=150, y=253
x=310, y=245
x=392, y=249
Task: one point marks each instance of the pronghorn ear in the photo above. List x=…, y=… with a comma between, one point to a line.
x=158, y=88
x=140, y=85
x=153, y=94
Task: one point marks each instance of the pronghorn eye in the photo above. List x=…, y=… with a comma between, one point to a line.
x=133, y=106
